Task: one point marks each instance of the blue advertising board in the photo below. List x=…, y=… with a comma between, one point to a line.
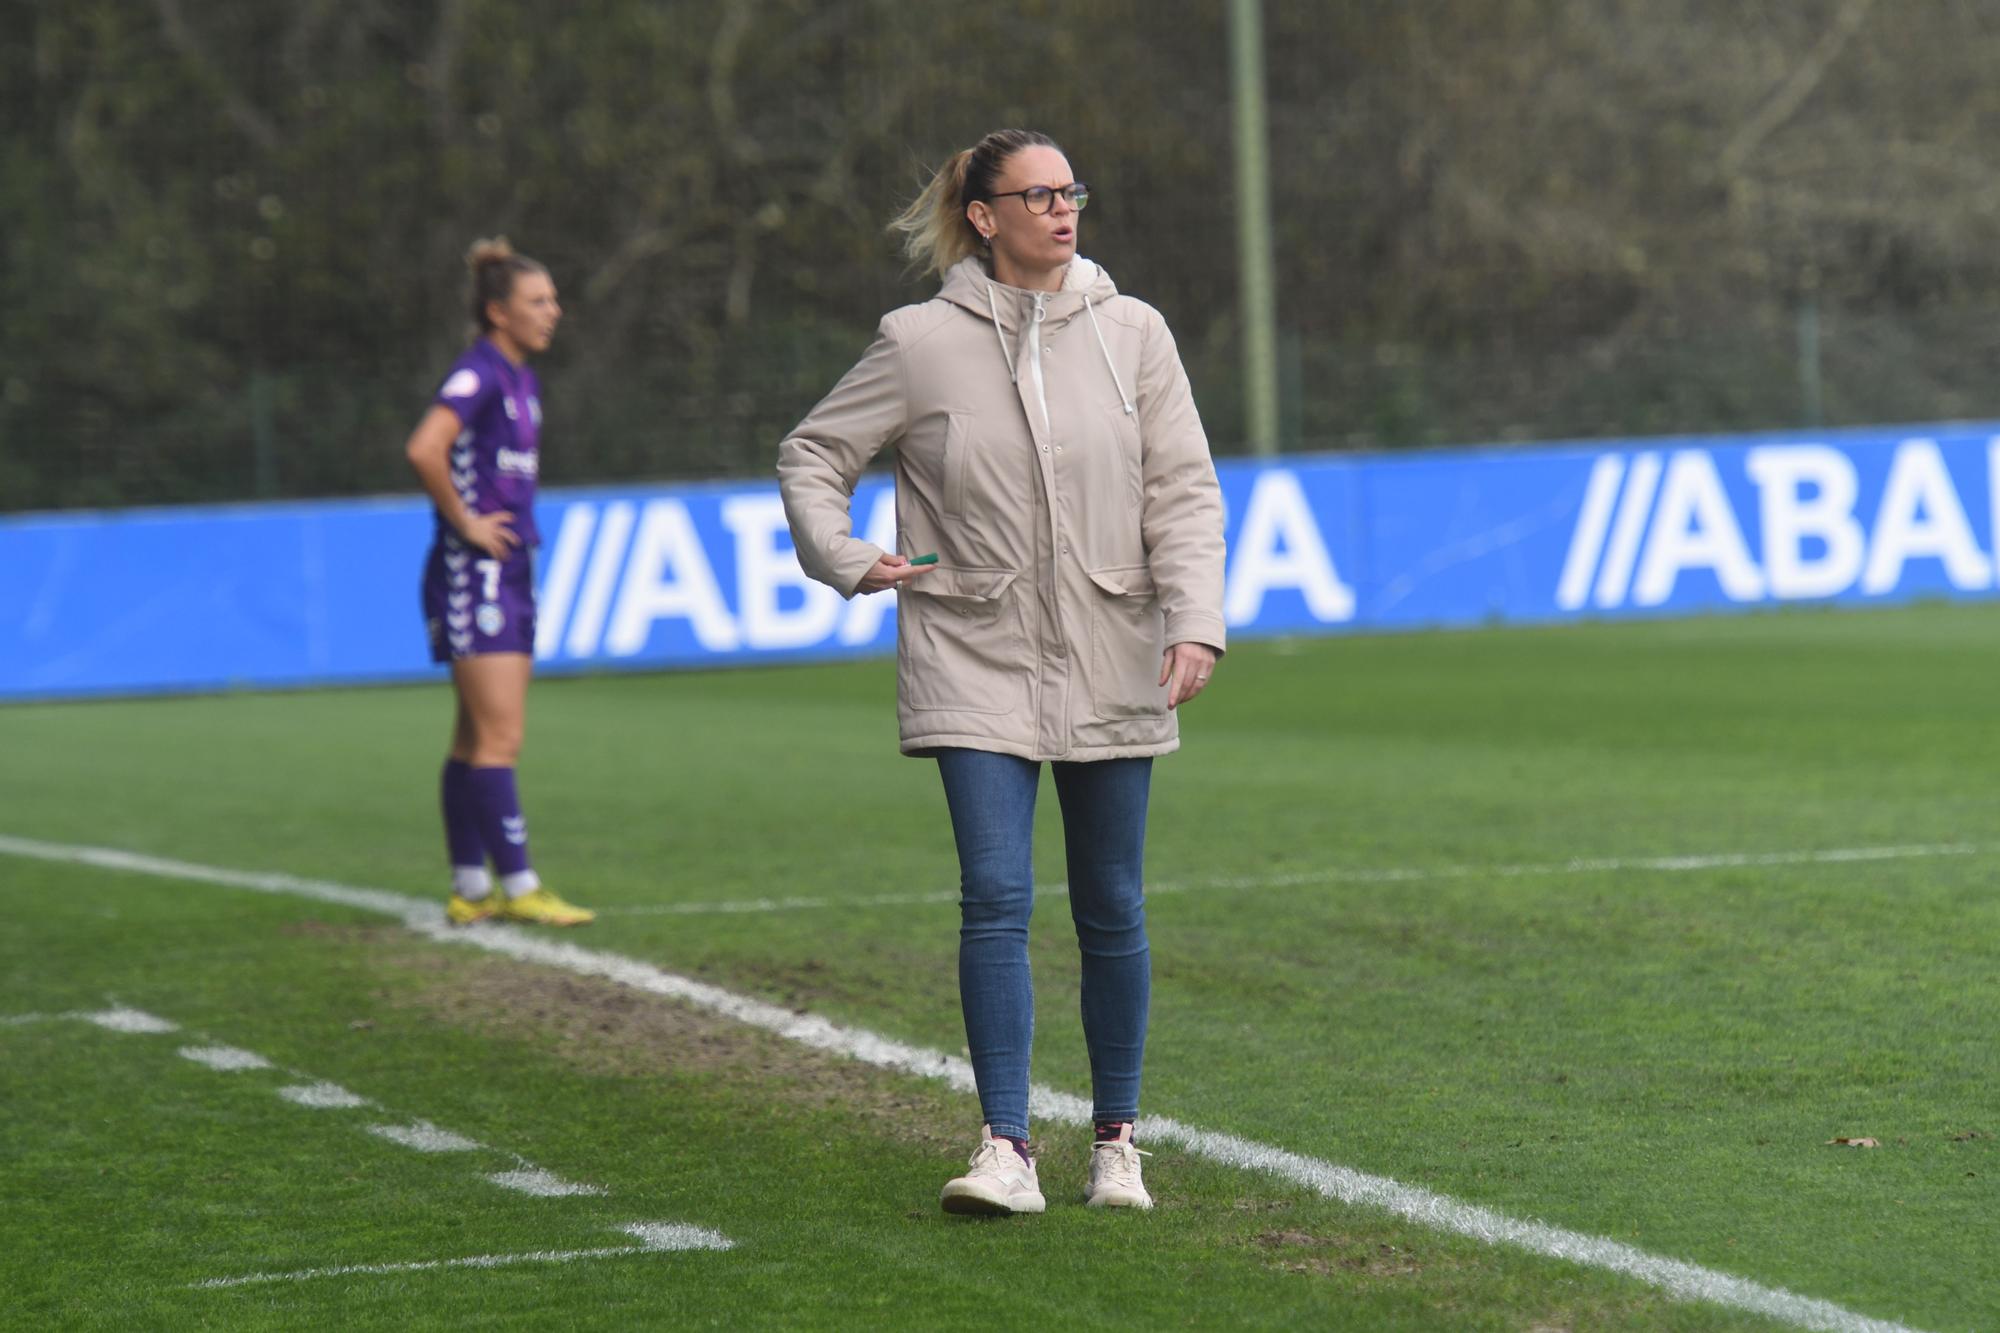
x=659, y=576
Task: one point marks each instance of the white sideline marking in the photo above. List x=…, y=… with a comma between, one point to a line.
x=121, y=1019
x=225, y=1058
x=24, y=1020
x=424, y=1137
x=542, y=1184
x=1679, y=1279
x=1355, y=875
x=653, y=1238
x=323, y=1096
x=421, y=1135
x=677, y=1236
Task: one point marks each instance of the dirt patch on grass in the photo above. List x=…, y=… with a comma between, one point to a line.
x=1325, y=1256
x=807, y=984
x=604, y=1028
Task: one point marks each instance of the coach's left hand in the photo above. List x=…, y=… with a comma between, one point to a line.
x=1185, y=671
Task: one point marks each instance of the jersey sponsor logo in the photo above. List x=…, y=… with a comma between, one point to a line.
x=1649, y=519
x=526, y=462
x=463, y=383
x=513, y=412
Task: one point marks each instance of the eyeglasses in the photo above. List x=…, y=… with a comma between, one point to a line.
x=1040, y=198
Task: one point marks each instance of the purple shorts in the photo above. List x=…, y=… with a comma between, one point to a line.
x=474, y=604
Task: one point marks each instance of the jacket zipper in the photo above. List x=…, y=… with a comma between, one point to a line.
x=1035, y=361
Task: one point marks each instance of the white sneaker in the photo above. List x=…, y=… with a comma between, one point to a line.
x=1000, y=1182
x=1114, y=1173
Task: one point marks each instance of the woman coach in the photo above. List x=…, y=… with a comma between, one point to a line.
x=1049, y=455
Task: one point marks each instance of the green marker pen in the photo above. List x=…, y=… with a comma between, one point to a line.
x=930, y=559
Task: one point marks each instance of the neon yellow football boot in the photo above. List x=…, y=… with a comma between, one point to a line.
x=543, y=908
x=464, y=911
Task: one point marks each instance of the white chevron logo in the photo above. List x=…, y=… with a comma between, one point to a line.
x=515, y=827
x=458, y=620
x=460, y=600
x=1648, y=518
x=455, y=560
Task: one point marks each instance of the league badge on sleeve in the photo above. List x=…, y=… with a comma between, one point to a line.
x=462, y=384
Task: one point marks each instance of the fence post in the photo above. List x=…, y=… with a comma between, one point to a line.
x=1253, y=225
x=1809, y=357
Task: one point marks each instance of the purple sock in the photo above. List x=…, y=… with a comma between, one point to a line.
x=461, y=817
x=501, y=823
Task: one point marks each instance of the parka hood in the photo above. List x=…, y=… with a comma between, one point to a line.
x=970, y=283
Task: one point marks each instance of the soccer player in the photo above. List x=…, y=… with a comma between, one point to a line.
x=477, y=452
x=1049, y=459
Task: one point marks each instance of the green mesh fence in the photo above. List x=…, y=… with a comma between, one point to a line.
x=233, y=229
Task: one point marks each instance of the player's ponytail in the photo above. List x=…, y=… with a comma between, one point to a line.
x=494, y=267
x=936, y=232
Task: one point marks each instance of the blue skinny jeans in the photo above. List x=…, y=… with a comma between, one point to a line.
x=992, y=800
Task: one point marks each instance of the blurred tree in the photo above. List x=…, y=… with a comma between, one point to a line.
x=233, y=229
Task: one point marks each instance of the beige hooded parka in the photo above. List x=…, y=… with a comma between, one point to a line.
x=1049, y=452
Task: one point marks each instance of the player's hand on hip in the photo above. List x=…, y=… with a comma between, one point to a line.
x=492, y=533
x=1185, y=671
x=889, y=571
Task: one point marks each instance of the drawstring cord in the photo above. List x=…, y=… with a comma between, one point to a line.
x=993, y=304
x=1124, y=400
x=1014, y=374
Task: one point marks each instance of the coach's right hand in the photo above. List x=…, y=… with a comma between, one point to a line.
x=492, y=533
x=888, y=572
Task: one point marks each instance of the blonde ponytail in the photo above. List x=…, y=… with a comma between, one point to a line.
x=936, y=232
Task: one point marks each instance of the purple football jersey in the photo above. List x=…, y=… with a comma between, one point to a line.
x=497, y=456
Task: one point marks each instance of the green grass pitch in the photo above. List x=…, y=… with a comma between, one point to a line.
x=1411, y=916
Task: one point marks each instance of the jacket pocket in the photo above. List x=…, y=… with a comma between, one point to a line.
x=960, y=642
x=1125, y=434
x=1127, y=642
x=957, y=447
